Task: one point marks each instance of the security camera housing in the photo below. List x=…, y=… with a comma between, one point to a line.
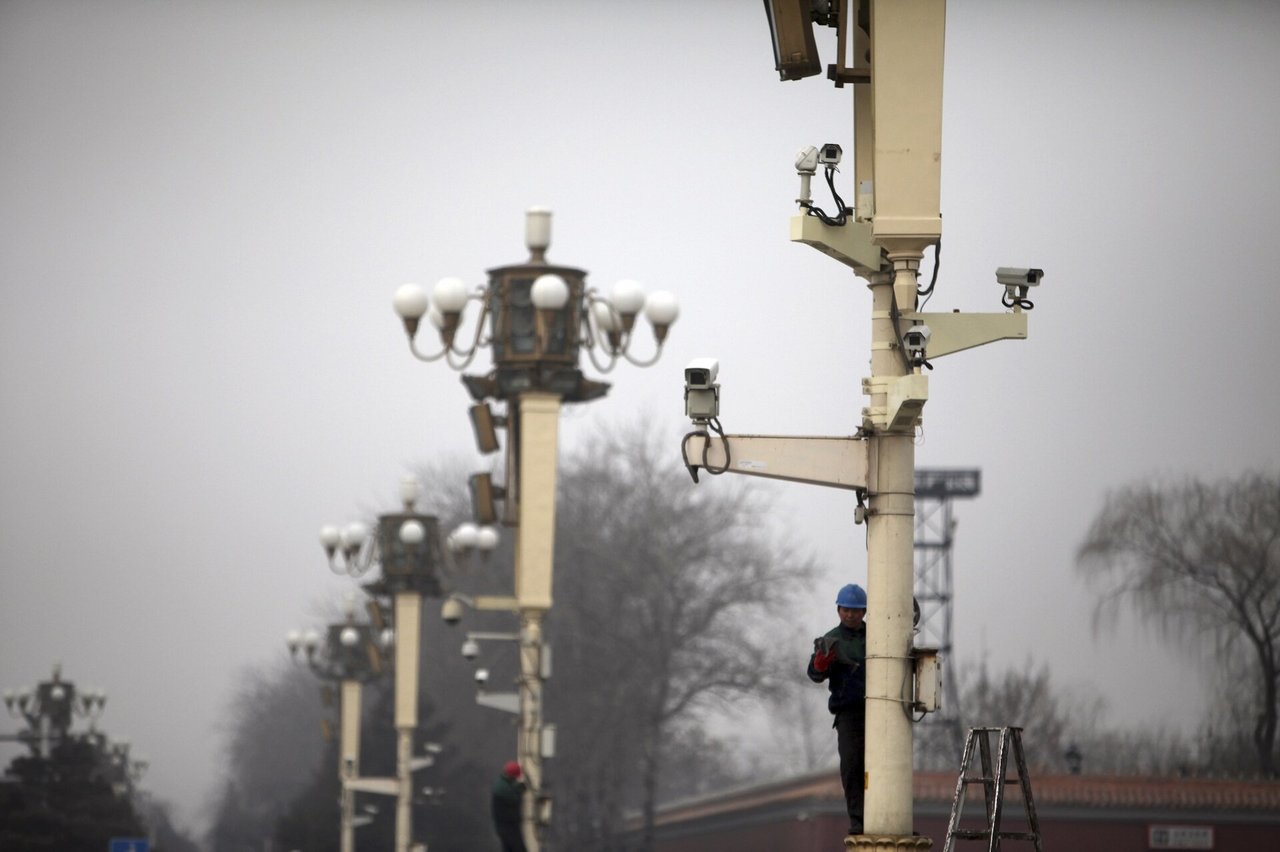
x=830, y=154
x=1014, y=276
x=807, y=160
x=916, y=338
x=482, y=676
x=701, y=374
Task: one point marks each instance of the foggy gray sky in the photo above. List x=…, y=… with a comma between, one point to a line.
x=207, y=206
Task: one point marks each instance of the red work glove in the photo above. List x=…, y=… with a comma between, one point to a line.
x=821, y=661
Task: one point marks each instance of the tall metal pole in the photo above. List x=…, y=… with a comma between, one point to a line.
x=890, y=537
x=539, y=421
x=898, y=138
x=408, y=620
x=349, y=759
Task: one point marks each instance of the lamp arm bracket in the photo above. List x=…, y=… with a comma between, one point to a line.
x=495, y=603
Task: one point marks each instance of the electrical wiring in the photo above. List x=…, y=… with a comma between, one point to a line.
x=833, y=221
x=714, y=423
x=1009, y=300
x=927, y=292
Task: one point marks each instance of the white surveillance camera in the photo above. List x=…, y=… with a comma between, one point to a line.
x=470, y=649
x=482, y=677
x=451, y=611
x=807, y=160
x=916, y=341
x=701, y=373
x=701, y=392
x=1013, y=276
x=830, y=154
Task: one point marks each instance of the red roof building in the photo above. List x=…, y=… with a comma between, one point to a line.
x=1075, y=812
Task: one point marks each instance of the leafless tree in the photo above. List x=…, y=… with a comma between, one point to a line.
x=671, y=589
x=273, y=742
x=1201, y=561
x=1052, y=719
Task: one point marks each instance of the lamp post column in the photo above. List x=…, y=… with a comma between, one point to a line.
x=539, y=421
x=408, y=620
x=890, y=541
x=349, y=758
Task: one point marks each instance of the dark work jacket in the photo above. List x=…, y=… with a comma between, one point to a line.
x=847, y=675
x=506, y=801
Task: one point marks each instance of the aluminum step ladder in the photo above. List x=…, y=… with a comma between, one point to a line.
x=993, y=782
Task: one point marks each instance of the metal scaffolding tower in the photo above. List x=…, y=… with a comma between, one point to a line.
x=940, y=737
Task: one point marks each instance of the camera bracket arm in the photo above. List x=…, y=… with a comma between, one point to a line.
x=955, y=332
x=850, y=244
x=834, y=462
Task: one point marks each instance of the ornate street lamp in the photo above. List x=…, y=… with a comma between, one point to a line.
x=537, y=318
x=351, y=654
x=50, y=706
x=540, y=317
x=409, y=553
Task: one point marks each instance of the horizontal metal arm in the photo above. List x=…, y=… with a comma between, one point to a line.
x=955, y=332
x=834, y=462
x=384, y=786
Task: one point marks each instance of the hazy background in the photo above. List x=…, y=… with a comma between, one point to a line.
x=206, y=206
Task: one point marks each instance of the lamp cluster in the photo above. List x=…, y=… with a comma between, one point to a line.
x=468, y=538
x=538, y=317
x=346, y=651
x=352, y=551
x=55, y=699
x=50, y=707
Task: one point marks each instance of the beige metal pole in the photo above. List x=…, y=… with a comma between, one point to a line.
x=408, y=620
x=890, y=534
x=349, y=758
x=530, y=736
x=901, y=156
x=535, y=546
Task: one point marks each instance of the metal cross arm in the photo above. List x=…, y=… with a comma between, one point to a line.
x=840, y=462
x=955, y=332
x=381, y=786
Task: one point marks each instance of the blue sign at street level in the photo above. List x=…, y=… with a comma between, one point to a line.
x=129, y=844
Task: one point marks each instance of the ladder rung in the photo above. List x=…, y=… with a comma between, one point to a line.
x=980, y=833
x=979, y=780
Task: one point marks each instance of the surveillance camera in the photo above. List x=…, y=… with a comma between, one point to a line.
x=830, y=154
x=916, y=341
x=482, y=677
x=701, y=373
x=807, y=160
x=470, y=649
x=701, y=393
x=451, y=611
x=1013, y=276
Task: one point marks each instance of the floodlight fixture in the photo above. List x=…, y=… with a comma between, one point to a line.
x=795, y=53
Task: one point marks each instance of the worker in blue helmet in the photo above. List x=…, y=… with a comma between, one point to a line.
x=839, y=657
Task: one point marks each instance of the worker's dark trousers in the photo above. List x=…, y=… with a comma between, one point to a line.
x=509, y=834
x=850, y=728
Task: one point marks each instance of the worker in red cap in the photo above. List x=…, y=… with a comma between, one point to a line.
x=508, y=791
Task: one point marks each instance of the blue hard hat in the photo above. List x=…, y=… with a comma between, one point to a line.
x=852, y=596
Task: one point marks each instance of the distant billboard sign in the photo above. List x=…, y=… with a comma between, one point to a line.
x=945, y=483
x=1179, y=837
